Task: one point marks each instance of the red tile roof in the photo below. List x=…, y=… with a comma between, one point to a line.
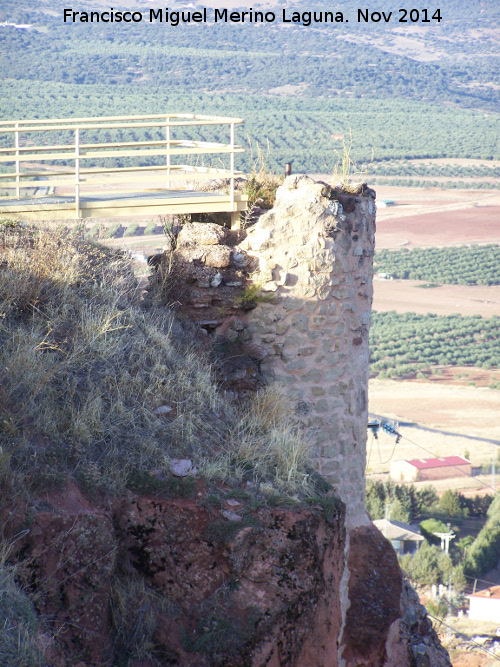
x=439, y=463
x=492, y=592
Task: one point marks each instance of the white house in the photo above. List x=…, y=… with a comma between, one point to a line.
x=485, y=605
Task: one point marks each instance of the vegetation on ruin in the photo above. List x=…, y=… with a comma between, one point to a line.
x=261, y=183
x=87, y=369
x=465, y=265
x=407, y=343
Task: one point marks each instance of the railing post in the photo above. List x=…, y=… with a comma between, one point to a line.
x=167, y=137
x=77, y=173
x=231, y=168
x=18, y=164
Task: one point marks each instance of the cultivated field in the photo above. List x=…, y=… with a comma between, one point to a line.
x=439, y=225
x=457, y=413
x=409, y=296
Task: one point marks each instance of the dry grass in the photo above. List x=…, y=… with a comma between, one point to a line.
x=135, y=610
x=18, y=621
x=84, y=364
x=346, y=177
x=261, y=184
x=267, y=449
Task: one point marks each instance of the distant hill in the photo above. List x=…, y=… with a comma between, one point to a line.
x=437, y=81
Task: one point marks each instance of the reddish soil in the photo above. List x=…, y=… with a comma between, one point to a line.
x=462, y=659
x=440, y=228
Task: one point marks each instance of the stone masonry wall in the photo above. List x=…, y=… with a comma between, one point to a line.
x=290, y=300
x=307, y=328
x=315, y=250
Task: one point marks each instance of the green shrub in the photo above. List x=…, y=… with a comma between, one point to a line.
x=113, y=230
x=150, y=228
x=431, y=526
x=131, y=229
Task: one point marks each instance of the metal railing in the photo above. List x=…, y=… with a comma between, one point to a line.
x=26, y=154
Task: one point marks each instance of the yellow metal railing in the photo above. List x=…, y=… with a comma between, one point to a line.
x=26, y=154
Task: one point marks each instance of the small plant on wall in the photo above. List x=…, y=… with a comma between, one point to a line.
x=251, y=296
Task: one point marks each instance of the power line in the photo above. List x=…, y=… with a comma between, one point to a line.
x=389, y=428
x=488, y=486
x=450, y=627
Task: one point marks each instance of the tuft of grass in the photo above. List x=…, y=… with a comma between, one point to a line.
x=262, y=183
x=83, y=366
x=251, y=296
x=18, y=621
x=135, y=610
x=267, y=448
x=346, y=175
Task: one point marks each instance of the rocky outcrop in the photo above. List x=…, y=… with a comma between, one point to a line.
x=184, y=581
x=214, y=581
x=385, y=623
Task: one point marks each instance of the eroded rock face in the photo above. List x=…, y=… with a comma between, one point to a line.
x=216, y=585
x=276, y=572
x=385, y=623
x=374, y=592
x=223, y=585
x=67, y=560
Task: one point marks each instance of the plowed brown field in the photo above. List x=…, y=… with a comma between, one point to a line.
x=479, y=224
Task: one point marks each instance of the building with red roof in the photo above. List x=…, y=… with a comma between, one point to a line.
x=421, y=470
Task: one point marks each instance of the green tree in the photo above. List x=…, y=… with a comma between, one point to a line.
x=422, y=568
x=429, y=527
x=450, y=503
x=484, y=552
x=400, y=511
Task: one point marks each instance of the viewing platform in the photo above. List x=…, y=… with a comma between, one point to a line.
x=117, y=166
